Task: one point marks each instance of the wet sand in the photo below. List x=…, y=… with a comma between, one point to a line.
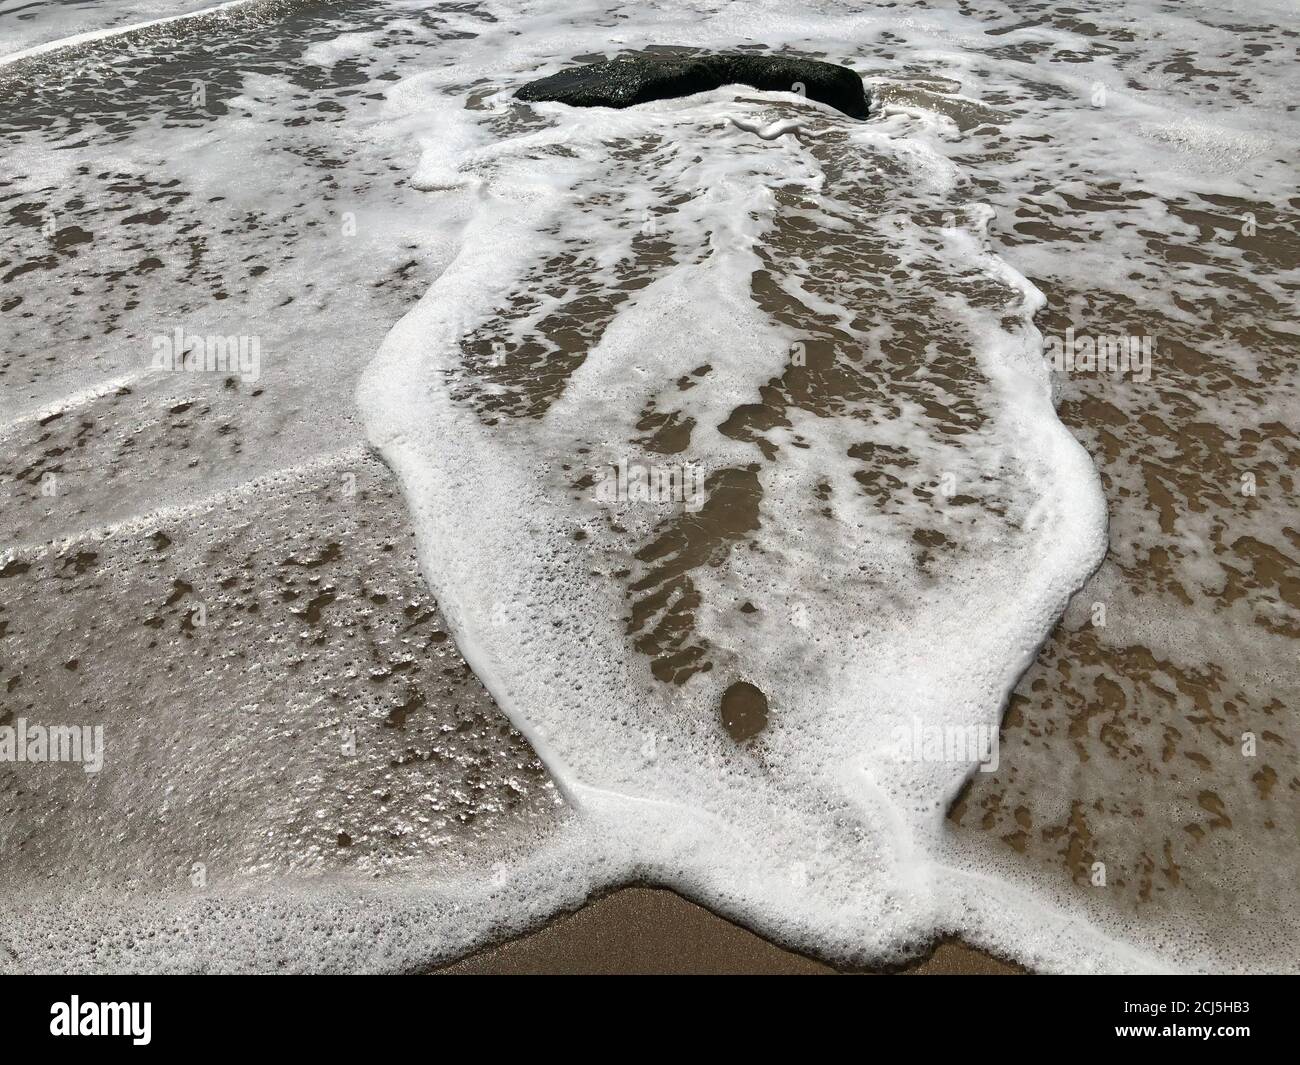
x=650, y=931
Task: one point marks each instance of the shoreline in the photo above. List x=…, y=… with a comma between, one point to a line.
x=639, y=930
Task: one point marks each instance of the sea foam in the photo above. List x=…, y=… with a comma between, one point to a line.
x=818, y=833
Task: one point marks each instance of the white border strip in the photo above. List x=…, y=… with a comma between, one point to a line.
x=112, y=31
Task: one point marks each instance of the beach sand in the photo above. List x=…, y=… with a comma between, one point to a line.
x=651, y=931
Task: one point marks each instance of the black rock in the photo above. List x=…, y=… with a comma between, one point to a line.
x=639, y=79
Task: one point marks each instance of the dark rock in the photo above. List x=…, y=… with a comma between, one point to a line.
x=744, y=711
x=639, y=79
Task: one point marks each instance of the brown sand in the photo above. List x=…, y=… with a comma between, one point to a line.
x=651, y=931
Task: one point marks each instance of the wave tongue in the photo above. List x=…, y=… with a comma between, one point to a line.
x=889, y=516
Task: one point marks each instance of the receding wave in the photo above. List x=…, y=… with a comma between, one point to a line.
x=691, y=410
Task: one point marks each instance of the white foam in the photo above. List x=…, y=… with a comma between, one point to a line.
x=830, y=840
x=124, y=15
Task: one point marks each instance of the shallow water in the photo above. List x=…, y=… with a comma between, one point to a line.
x=829, y=348
x=26, y=25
